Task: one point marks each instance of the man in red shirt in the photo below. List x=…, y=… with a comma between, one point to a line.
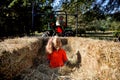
x=56, y=55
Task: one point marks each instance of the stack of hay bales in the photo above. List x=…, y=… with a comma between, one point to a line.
x=16, y=55
x=100, y=59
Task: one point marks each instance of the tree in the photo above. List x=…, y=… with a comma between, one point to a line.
x=90, y=11
x=16, y=16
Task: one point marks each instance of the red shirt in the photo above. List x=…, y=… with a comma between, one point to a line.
x=57, y=58
x=59, y=29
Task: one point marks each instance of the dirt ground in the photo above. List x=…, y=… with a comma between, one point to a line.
x=100, y=60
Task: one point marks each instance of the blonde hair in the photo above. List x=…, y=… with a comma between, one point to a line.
x=54, y=42
x=57, y=41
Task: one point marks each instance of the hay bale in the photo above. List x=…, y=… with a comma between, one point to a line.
x=17, y=54
x=99, y=60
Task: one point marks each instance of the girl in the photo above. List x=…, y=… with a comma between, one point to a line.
x=56, y=55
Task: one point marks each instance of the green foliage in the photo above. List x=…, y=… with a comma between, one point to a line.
x=19, y=13
x=16, y=16
x=116, y=34
x=12, y=3
x=91, y=20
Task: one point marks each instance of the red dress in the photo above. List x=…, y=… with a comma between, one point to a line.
x=57, y=58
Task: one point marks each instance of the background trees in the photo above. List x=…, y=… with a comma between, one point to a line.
x=26, y=16
x=22, y=17
x=92, y=14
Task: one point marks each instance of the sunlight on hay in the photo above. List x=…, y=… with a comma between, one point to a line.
x=17, y=43
x=100, y=60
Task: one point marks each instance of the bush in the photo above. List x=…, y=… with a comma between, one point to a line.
x=116, y=34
